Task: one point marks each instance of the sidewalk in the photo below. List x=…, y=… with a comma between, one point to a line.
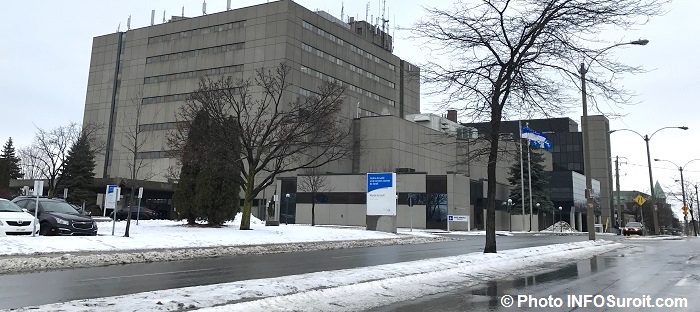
x=346, y=290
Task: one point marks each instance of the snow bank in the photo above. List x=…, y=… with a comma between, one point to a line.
x=345, y=290
x=562, y=227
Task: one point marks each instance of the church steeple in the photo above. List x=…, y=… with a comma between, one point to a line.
x=658, y=191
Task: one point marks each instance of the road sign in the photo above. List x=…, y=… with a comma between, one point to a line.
x=685, y=210
x=140, y=193
x=640, y=200
x=38, y=188
x=455, y=218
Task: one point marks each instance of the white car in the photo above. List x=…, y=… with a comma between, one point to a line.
x=14, y=221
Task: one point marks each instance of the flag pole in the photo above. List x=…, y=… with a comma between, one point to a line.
x=529, y=177
x=522, y=183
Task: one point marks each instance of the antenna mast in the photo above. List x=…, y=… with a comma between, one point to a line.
x=204, y=8
x=163, y=16
x=128, y=23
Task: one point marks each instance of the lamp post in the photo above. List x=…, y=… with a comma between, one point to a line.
x=646, y=139
x=538, y=216
x=286, y=209
x=680, y=168
x=586, y=141
x=508, y=204
x=560, y=223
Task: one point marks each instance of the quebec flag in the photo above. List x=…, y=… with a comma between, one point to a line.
x=537, y=139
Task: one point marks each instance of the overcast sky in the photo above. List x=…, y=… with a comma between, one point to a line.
x=45, y=53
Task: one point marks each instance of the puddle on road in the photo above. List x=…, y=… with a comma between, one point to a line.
x=486, y=297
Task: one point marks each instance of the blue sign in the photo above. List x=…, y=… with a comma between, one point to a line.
x=377, y=181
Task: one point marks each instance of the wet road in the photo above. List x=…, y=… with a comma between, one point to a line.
x=20, y=290
x=653, y=269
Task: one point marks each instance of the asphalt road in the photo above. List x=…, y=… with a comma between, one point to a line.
x=657, y=269
x=21, y=290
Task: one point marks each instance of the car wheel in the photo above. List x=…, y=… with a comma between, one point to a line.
x=45, y=229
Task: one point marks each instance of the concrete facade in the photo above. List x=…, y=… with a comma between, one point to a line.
x=155, y=67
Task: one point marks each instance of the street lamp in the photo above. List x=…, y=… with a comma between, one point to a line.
x=680, y=168
x=508, y=204
x=587, y=147
x=646, y=139
x=560, y=223
x=286, y=209
x=538, y=216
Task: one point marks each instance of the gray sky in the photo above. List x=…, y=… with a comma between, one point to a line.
x=45, y=54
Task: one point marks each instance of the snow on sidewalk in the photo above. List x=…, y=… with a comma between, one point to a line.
x=160, y=240
x=345, y=290
x=166, y=234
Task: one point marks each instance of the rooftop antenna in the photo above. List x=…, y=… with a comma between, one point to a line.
x=204, y=8
x=183, y=11
x=366, y=10
x=120, y=25
x=128, y=23
x=163, y=16
x=153, y=17
x=342, y=11
x=228, y=5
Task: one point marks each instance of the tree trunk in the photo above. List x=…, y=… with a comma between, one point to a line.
x=490, y=245
x=128, y=212
x=247, y=205
x=313, y=209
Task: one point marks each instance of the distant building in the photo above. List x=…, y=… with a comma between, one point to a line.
x=567, y=179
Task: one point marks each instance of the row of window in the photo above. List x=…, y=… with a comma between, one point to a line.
x=194, y=74
x=159, y=126
x=196, y=32
x=349, y=86
x=353, y=68
x=165, y=98
x=152, y=155
x=192, y=53
x=341, y=42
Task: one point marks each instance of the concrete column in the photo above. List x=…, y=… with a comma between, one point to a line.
x=579, y=221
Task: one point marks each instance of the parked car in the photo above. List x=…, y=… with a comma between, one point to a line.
x=635, y=228
x=143, y=214
x=13, y=220
x=57, y=217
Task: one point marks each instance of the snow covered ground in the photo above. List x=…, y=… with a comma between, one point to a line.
x=163, y=240
x=166, y=234
x=346, y=290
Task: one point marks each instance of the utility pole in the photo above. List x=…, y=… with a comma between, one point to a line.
x=617, y=185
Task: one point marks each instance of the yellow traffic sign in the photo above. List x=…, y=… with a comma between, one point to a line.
x=640, y=200
x=685, y=210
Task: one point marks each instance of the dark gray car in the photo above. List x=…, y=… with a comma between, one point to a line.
x=57, y=217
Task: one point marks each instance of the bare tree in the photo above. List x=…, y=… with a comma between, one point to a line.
x=30, y=165
x=509, y=57
x=50, y=149
x=280, y=131
x=133, y=140
x=312, y=182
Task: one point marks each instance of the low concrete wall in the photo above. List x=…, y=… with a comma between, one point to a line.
x=381, y=223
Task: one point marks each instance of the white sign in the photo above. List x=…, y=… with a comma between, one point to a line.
x=111, y=197
x=381, y=194
x=38, y=188
x=140, y=192
x=454, y=218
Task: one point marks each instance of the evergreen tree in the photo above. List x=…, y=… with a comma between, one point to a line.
x=539, y=182
x=8, y=152
x=208, y=189
x=78, y=173
x=5, y=179
x=185, y=193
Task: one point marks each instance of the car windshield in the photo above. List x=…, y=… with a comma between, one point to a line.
x=634, y=224
x=61, y=207
x=8, y=206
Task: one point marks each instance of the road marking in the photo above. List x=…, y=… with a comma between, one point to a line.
x=140, y=275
